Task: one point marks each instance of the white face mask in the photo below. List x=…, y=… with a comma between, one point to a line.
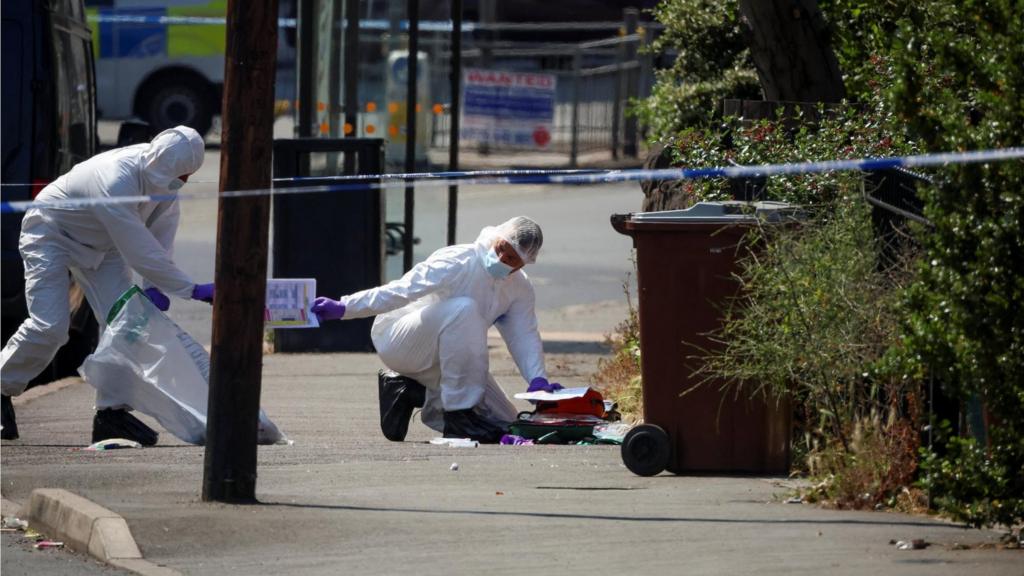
x=495, y=267
x=175, y=184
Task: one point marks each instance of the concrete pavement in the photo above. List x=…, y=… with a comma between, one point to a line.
x=342, y=499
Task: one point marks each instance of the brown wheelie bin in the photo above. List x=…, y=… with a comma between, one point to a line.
x=686, y=260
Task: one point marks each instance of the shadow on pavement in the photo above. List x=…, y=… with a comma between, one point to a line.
x=555, y=515
x=571, y=347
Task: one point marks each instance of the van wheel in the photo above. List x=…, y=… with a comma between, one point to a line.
x=183, y=102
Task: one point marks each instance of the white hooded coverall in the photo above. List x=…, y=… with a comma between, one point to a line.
x=99, y=245
x=432, y=327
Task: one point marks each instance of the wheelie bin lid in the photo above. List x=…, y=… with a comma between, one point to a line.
x=718, y=213
x=724, y=211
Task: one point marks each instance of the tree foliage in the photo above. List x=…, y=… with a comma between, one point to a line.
x=959, y=86
x=712, y=62
x=937, y=76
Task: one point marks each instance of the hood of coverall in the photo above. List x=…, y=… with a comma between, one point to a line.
x=173, y=153
x=521, y=232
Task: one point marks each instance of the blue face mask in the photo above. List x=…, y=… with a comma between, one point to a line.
x=175, y=184
x=495, y=267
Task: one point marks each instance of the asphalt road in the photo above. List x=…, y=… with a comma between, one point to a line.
x=583, y=263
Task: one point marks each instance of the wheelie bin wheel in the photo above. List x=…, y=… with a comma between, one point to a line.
x=646, y=450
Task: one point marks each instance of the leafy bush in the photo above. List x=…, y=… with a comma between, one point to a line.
x=972, y=484
x=817, y=314
x=673, y=104
x=949, y=77
x=712, y=63
x=849, y=133
x=960, y=86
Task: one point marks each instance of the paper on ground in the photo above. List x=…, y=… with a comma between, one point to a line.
x=455, y=442
x=288, y=303
x=563, y=394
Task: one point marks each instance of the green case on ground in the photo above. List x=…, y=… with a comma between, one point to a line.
x=551, y=433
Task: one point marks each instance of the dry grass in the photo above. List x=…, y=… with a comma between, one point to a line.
x=618, y=377
x=875, y=471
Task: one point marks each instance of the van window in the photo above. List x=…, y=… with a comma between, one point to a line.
x=74, y=92
x=13, y=42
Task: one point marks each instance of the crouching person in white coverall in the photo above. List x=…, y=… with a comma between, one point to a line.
x=100, y=245
x=431, y=329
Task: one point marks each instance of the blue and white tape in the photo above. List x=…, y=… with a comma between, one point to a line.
x=151, y=19
x=365, y=182
x=364, y=24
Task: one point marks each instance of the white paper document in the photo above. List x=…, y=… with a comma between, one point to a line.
x=563, y=394
x=288, y=303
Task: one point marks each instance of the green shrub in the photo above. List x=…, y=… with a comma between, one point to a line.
x=960, y=86
x=814, y=317
x=951, y=79
x=712, y=63
x=973, y=484
x=817, y=314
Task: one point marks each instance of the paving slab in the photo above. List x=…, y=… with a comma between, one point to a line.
x=342, y=499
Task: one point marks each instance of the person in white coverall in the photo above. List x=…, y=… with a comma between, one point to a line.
x=431, y=328
x=100, y=245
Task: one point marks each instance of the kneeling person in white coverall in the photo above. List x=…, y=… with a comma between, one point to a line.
x=100, y=245
x=431, y=329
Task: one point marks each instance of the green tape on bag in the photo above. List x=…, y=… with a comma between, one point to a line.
x=122, y=301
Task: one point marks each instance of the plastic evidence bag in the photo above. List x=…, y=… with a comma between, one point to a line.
x=146, y=361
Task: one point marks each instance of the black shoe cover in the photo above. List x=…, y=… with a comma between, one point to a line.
x=110, y=423
x=10, y=424
x=469, y=424
x=399, y=395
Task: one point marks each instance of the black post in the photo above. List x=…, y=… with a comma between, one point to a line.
x=410, y=128
x=453, y=115
x=306, y=105
x=629, y=146
x=351, y=77
x=229, y=472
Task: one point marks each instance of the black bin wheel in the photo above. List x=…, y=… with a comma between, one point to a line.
x=646, y=450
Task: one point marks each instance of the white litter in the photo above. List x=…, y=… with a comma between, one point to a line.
x=455, y=442
x=113, y=444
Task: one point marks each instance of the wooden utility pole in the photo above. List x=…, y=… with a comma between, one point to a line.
x=229, y=473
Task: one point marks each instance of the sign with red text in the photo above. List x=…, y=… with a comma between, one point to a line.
x=506, y=108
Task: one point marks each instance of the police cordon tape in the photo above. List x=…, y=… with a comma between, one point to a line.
x=363, y=182
x=365, y=24
x=432, y=26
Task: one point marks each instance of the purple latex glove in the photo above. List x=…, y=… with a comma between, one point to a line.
x=203, y=292
x=513, y=440
x=158, y=298
x=542, y=385
x=327, y=309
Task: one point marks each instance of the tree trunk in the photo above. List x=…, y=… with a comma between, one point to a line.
x=791, y=49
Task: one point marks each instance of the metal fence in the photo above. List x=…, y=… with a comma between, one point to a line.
x=596, y=80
